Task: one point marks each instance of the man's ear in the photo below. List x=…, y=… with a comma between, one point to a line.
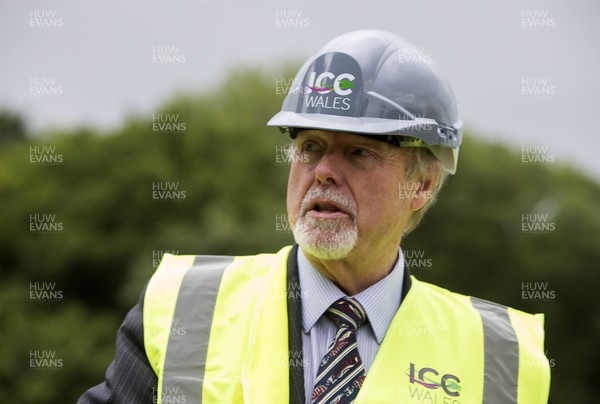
x=423, y=192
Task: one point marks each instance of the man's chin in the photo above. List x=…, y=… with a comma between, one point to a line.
x=335, y=242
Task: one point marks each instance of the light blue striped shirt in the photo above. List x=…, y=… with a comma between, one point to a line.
x=380, y=301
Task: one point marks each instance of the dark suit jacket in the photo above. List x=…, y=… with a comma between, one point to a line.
x=130, y=378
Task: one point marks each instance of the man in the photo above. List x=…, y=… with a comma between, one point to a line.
x=368, y=113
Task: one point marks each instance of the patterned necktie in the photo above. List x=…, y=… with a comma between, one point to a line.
x=341, y=372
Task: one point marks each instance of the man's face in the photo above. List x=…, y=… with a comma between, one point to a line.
x=343, y=197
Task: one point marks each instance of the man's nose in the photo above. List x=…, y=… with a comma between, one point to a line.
x=329, y=170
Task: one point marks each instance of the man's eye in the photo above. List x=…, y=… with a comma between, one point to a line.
x=360, y=152
x=309, y=147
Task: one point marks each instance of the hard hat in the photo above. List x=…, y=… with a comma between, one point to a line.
x=375, y=82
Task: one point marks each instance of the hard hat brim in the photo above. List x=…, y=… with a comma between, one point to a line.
x=362, y=125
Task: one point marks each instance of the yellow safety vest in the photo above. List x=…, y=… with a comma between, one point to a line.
x=216, y=331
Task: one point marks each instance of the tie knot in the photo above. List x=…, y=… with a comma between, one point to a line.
x=347, y=313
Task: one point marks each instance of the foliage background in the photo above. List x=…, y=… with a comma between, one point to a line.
x=226, y=162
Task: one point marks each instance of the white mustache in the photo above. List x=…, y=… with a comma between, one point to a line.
x=346, y=203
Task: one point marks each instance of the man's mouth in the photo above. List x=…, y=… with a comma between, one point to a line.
x=326, y=209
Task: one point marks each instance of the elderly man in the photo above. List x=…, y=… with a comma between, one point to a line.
x=368, y=114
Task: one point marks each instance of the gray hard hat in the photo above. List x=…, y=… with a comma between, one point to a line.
x=375, y=82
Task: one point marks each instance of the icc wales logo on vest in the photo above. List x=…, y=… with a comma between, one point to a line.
x=427, y=385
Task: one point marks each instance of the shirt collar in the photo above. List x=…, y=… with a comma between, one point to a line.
x=318, y=293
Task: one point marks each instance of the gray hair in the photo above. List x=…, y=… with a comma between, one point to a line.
x=423, y=167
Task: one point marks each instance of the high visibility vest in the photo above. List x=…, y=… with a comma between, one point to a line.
x=216, y=331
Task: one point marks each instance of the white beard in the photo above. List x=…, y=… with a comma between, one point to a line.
x=326, y=239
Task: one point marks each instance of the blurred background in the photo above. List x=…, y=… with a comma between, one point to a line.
x=131, y=130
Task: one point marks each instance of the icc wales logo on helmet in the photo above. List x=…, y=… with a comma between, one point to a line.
x=332, y=85
x=323, y=84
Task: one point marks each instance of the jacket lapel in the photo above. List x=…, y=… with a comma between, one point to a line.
x=294, y=310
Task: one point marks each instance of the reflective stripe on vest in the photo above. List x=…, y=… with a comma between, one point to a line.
x=185, y=358
x=501, y=353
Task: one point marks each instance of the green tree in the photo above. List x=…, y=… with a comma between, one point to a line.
x=12, y=127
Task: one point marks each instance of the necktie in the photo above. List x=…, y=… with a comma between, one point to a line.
x=341, y=371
